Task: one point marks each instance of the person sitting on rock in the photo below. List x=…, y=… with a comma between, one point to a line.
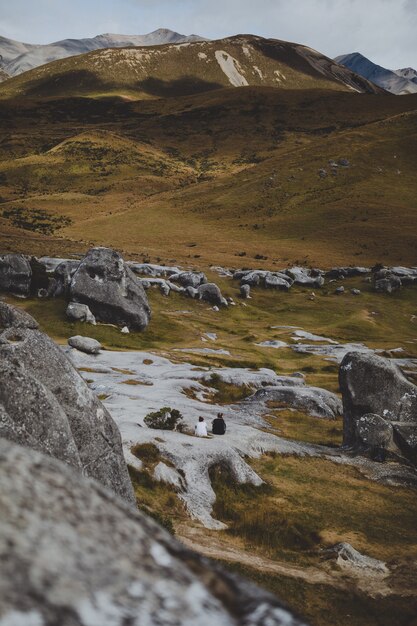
x=218, y=425
x=200, y=429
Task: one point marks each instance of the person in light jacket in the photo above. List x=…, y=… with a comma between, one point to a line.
x=200, y=429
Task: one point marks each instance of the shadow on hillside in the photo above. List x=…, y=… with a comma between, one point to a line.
x=183, y=86
x=64, y=84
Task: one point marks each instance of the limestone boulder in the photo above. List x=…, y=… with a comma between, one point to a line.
x=189, y=279
x=48, y=406
x=15, y=274
x=210, y=292
x=110, y=289
x=80, y=313
x=371, y=384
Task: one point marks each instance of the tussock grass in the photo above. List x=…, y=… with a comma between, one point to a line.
x=322, y=604
x=228, y=393
x=310, y=503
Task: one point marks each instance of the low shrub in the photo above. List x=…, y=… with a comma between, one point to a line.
x=164, y=419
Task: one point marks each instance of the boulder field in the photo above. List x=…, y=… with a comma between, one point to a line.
x=74, y=549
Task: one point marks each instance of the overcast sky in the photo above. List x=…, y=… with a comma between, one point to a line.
x=383, y=30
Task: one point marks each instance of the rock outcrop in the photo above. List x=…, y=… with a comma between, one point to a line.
x=210, y=292
x=386, y=281
x=15, y=274
x=110, y=289
x=46, y=405
x=189, y=279
x=74, y=554
x=313, y=400
x=373, y=385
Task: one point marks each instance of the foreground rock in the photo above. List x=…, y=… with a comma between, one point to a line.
x=83, y=558
x=47, y=406
x=110, y=289
x=373, y=385
x=15, y=274
x=85, y=344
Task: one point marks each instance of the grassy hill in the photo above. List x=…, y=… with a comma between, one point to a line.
x=188, y=68
x=205, y=178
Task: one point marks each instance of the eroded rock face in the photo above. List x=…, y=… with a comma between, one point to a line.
x=110, y=289
x=47, y=405
x=15, y=274
x=74, y=554
x=372, y=384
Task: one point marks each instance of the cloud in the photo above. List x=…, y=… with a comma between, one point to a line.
x=383, y=30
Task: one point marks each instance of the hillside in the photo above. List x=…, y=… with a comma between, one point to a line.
x=20, y=57
x=215, y=176
x=187, y=68
x=3, y=75
x=399, y=82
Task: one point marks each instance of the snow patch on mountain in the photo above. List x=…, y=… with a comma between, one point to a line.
x=231, y=68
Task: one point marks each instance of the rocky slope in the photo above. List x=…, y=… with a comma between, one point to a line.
x=191, y=67
x=20, y=57
x=3, y=76
x=397, y=82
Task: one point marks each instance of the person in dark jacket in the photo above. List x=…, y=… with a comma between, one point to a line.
x=218, y=426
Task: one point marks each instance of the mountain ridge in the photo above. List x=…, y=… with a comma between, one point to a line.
x=393, y=81
x=21, y=57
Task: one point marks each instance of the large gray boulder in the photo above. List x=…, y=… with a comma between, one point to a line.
x=189, y=279
x=74, y=554
x=385, y=281
x=110, y=289
x=15, y=274
x=210, y=292
x=47, y=405
x=371, y=384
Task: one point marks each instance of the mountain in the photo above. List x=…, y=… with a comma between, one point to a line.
x=409, y=73
x=10, y=49
x=187, y=68
x=21, y=57
x=394, y=82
